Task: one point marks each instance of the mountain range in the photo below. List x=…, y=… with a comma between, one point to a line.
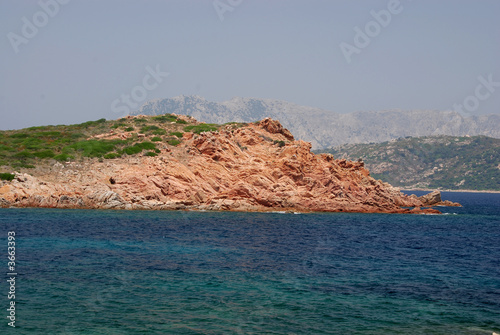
x=325, y=129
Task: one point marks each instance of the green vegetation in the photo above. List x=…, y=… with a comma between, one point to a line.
x=112, y=155
x=95, y=148
x=146, y=129
x=119, y=125
x=279, y=143
x=174, y=142
x=235, y=125
x=92, y=123
x=200, y=128
x=159, y=132
x=138, y=147
x=44, y=154
x=132, y=150
x=63, y=157
x=165, y=118
x=30, y=147
x=7, y=176
x=440, y=162
x=177, y=134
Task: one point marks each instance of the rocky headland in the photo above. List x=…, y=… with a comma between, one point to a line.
x=238, y=167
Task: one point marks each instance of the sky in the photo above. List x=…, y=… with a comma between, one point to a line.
x=70, y=61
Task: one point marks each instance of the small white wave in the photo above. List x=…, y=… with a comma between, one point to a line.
x=479, y=330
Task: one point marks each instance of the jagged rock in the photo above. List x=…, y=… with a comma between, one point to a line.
x=434, y=199
x=4, y=203
x=70, y=202
x=448, y=203
x=275, y=127
x=107, y=199
x=431, y=199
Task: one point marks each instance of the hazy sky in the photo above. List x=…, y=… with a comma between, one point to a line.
x=69, y=61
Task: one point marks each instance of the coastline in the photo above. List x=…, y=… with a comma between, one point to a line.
x=255, y=167
x=446, y=190
x=182, y=208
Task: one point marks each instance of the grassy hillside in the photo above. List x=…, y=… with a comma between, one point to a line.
x=445, y=162
x=101, y=139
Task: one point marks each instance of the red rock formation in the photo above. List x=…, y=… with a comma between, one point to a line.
x=259, y=167
x=434, y=199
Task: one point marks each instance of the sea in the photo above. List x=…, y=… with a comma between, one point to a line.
x=181, y=272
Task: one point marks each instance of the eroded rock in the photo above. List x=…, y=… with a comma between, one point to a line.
x=247, y=169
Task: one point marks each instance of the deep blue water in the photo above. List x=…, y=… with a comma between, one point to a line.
x=142, y=272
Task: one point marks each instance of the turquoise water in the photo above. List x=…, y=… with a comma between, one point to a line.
x=147, y=272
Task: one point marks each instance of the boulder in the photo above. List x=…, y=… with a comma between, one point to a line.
x=431, y=199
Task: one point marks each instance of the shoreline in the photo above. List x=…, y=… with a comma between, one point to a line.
x=458, y=191
x=401, y=210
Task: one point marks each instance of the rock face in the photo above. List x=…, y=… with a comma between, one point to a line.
x=258, y=167
x=431, y=198
x=434, y=199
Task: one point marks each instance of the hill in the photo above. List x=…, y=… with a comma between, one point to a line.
x=325, y=129
x=102, y=139
x=175, y=162
x=436, y=162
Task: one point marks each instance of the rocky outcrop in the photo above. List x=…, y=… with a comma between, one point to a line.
x=434, y=199
x=431, y=198
x=106, y=199
x=258, y=167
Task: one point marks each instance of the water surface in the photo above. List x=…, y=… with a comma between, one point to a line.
x=138, y=272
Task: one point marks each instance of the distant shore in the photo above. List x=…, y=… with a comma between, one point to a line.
x=461, y=191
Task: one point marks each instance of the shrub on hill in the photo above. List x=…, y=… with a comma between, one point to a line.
x=174, y=142
x=7, y=176
x=200, y=128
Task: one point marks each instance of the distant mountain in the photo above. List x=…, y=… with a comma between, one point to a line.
x=441, y=162
x=326, y=129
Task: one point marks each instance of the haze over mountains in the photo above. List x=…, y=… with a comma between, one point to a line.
x=326, y=129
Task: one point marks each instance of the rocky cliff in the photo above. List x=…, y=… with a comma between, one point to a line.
x=239, y=167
